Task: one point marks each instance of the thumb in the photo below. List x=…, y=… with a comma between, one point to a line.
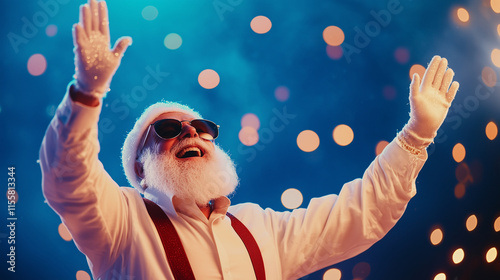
x=121, y=45
x=415, y=85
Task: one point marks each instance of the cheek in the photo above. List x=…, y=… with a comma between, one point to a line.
x=163, y=146
x=211, y=149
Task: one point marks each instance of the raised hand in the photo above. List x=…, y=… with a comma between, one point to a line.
x=95, y=62
x=430, y=101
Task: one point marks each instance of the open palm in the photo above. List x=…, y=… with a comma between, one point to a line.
x=431, y=99
x=95, y=62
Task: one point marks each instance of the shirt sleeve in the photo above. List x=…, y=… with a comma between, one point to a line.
x=77, y=187
x=334, y=228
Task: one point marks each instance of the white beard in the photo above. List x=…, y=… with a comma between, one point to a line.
x=199, y=179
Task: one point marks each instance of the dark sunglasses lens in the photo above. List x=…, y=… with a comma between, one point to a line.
x=204, y=126
x=168, y=128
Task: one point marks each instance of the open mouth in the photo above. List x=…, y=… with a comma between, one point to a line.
x=190, y=152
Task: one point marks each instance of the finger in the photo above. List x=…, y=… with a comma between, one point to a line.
x=85, y=18
x=79, y=35
x=94, y=10
x=438, y=79
x=453, y=91
x=415, y=85
x=103, y=19
x=431, y=71
x=448, y=78
x=122, y=45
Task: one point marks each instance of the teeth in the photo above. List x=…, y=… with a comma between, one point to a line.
x=190, y=149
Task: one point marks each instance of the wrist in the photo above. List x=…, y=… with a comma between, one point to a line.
x=78, y=96
x=411, y=141
x=91, y=91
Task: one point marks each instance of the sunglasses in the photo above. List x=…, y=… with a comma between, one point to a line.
x=171, y=128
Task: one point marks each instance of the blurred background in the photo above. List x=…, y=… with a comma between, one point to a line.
x=306, y=94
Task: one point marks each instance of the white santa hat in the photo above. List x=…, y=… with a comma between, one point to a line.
x=134, y=137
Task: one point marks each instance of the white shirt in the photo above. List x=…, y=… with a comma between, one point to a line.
x=111, y=225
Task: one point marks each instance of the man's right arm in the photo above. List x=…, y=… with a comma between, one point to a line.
x=76, y=185
x=74, y=182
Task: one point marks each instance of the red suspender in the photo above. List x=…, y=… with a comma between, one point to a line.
x=251, y=245
x=176, y=256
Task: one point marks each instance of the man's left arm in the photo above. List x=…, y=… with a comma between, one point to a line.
x=334, y=228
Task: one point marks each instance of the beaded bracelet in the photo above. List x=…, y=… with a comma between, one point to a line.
x=403, y=143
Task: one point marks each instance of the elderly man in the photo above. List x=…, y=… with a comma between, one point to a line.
x=178, y=222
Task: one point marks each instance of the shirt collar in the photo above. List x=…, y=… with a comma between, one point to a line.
x=173, y=205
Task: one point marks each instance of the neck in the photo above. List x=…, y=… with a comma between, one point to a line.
x=206, y=209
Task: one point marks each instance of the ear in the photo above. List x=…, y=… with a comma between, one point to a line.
x=139, y=169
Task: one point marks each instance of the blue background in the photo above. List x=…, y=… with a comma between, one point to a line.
x=323, y=94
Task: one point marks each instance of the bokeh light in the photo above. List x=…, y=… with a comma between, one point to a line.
x=51, y=30
x=172, y=41
x=491, y=255
x=308, y=141
x=361, y=270
x=37, y=64
x=459, y=190
x=291, y=198
x=251, y=120
x=495, y=6
x=489, y=76
x=333, y=35
x=458, y=256
x=248, y=136
x=402, y=55
x=417, y=68
x=208, y=79
x=495, y=57
x=496, y=224
x=463, y=173
x=261, y=24
x=471, y=222
x=389, y=92
x=149, y=13
x=491, y=130
x=436, y=236
x=332, y=274
x=440, y=276
x=50, y=110
x=458, y=152
x=343, y=135
x=64, y=233
x=463, y=15
x=334, y=52
x=380, y=147
x=282, y=93
x=82, y=275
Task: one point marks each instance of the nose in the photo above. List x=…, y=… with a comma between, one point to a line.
x=188, y=131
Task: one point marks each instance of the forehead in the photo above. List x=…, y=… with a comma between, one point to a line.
x=175, y=115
